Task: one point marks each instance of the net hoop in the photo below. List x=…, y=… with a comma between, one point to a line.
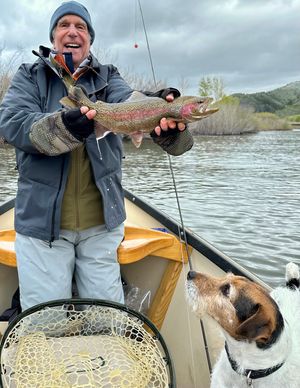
x=135, y=330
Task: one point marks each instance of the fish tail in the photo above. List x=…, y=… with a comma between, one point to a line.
x=68, y=103
x=79, y=95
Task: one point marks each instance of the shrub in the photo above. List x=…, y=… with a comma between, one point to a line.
x=266, y=121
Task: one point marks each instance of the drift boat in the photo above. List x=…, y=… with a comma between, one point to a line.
x=154, y=258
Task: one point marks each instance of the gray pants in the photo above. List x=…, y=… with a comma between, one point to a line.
x=46, y=273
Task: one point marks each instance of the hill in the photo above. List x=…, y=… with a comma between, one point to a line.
x=284, y=101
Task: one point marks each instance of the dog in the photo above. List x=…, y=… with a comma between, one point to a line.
x=261, y=329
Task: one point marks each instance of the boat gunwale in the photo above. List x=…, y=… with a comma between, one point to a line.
x=6, y=206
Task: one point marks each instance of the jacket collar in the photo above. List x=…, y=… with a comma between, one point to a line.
x=94, y=67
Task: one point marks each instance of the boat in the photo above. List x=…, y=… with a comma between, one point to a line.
x=155, y=258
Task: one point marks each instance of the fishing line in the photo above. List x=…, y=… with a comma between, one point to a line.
x=135, y=26
x=182, y=232
x=147, y=42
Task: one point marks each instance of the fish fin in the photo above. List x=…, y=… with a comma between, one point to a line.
x=137, y=96
x=68, y=103
x=101, y=131
x=79, y=95
x=137, y=138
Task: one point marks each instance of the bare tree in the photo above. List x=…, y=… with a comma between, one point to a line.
x=183, y=84
x=8, y=65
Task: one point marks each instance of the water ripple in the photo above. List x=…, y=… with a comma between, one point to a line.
x=238, y=192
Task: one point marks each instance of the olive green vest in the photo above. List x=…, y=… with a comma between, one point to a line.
x=82, y=201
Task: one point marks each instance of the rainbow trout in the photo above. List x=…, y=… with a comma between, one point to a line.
x=139, y=114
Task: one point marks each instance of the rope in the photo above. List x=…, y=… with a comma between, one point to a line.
x=182, y=232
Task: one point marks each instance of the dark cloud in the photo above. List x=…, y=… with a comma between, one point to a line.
x=253, y=45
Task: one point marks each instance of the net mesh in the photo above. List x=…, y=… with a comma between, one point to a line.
x=86, y=346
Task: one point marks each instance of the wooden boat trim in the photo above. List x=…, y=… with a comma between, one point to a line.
x=6, y=206
x=164, y=294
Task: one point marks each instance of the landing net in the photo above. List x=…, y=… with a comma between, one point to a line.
x=83, y=343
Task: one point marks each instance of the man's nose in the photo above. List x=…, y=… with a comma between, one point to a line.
x=72, y=30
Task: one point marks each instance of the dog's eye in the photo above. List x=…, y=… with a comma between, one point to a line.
x=225, y=288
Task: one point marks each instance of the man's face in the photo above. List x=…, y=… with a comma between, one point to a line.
x=72, y=35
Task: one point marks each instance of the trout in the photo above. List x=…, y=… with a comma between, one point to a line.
x=139, y=114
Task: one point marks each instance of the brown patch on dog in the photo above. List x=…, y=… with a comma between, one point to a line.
x=243, y=308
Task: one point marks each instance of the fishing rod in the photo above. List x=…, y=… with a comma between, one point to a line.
x=182, y=233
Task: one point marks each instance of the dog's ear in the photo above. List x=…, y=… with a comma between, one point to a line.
x=257, y=328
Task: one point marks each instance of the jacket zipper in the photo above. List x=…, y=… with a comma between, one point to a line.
x=76, y=189
x=52, y=238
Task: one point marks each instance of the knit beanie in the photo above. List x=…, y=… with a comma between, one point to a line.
x=71, y=8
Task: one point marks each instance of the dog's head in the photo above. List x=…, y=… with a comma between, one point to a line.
x=244, y=309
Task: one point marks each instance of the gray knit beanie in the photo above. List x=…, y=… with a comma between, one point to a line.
x=71, y=8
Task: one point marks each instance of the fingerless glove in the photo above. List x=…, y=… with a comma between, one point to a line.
x=173, y=141
x=163, y=93
x=77, y=123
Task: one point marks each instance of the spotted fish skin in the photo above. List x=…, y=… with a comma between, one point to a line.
x=140, y=113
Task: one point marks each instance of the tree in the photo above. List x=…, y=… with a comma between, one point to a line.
x=213, y=87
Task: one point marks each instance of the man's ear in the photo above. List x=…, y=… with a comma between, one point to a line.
x=258, y=327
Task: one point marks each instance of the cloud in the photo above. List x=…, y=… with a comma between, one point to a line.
x=253, y=45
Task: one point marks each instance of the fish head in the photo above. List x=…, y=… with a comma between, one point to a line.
x=196, y=108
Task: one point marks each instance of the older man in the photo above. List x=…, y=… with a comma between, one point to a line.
x=69, y=210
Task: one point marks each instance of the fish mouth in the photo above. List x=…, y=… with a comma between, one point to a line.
x=202, y=110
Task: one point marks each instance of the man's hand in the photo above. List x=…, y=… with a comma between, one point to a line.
x=79, y=122
x=167, y=124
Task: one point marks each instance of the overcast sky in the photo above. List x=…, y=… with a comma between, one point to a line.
x=253, y=45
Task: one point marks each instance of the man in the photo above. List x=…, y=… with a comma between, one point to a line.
x=69, y=210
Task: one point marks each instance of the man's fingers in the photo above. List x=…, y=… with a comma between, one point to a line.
x=90, y=113
x=171, y=124
x=170, y=97
x=84, y=110
x=164, y=124
x=157, y=130
x=181, y=126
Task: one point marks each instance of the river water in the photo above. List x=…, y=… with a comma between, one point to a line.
x=241, y=193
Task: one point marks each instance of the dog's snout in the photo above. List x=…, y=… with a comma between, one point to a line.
x=191, y=275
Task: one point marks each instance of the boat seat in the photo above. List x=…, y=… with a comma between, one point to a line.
x=7, y=247
x=137, y=244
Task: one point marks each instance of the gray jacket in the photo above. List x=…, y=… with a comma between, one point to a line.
x=33, y=97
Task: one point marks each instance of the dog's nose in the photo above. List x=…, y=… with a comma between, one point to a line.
x=191, y=275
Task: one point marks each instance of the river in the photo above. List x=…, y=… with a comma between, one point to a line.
x=241, y=193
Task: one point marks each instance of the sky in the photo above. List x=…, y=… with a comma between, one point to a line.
x=251, y=45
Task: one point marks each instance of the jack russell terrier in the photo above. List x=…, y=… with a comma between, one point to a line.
x=261, y=329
